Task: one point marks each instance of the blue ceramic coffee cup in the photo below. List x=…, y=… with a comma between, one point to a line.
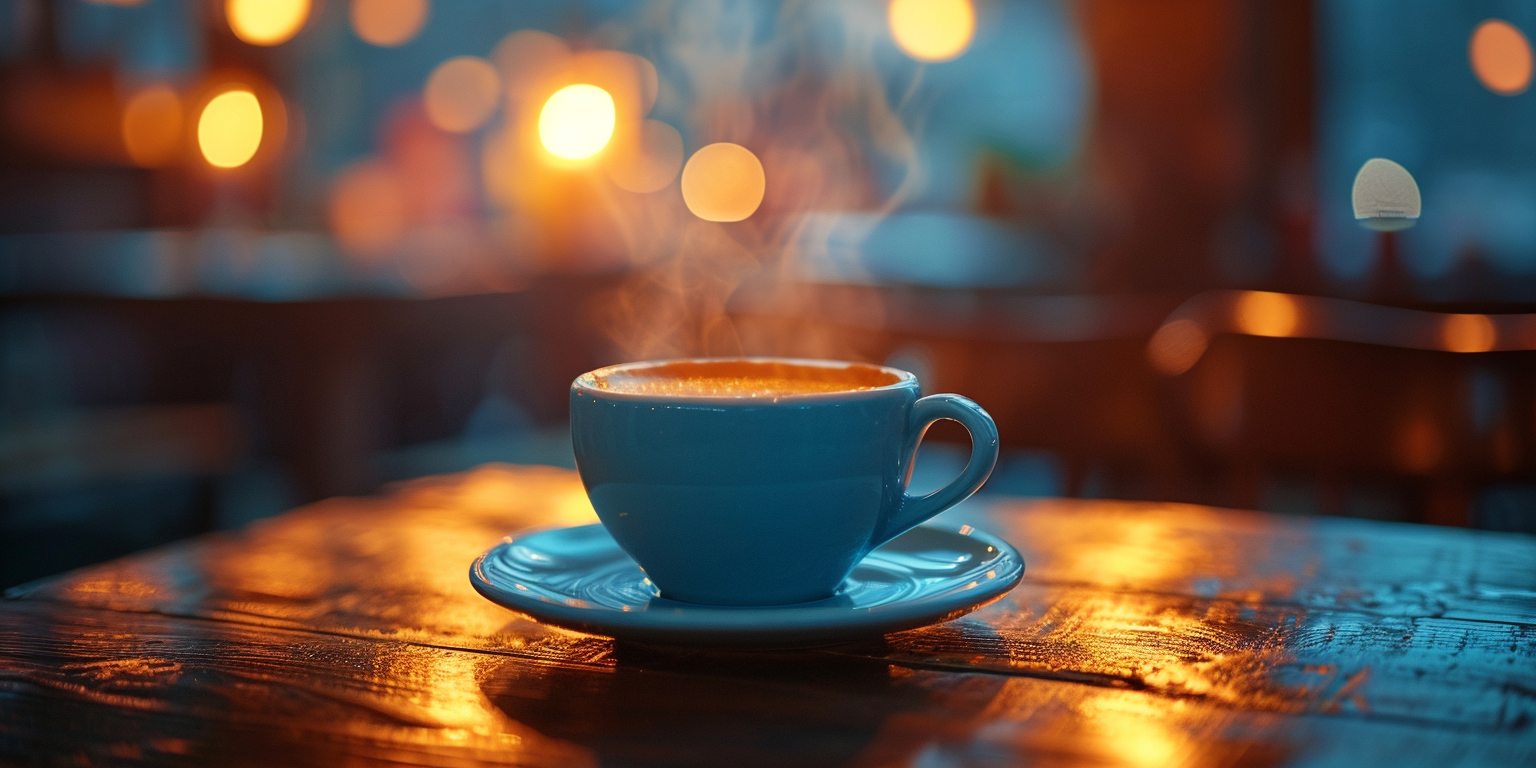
x=760, y=481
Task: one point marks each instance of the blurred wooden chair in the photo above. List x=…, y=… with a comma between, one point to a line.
x=1436, y=405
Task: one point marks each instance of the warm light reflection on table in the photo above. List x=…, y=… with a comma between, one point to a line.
x=1142, y=635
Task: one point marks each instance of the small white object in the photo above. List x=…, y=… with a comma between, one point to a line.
x=1386, y=197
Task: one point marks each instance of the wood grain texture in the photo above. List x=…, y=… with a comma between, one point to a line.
x=1143, y=634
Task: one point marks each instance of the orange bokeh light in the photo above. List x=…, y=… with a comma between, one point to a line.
x=388, y=23
x=230, y=127
x=932, y=30
x=723, y=182
x=1262, y=313
x=631, y=79
x=650, y=161
x=1500, y=57
x=461, y=94
x=577, y=122
x=367, y=208
x=1177, y=346
x=152, y=126
x=266, y=22
x=1468, y=333
x=528, y=59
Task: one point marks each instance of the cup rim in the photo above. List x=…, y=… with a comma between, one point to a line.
x=586, y=381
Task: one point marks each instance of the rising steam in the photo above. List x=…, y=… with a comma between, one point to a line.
x=807, y=108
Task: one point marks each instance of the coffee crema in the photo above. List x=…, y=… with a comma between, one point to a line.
x=741, y=378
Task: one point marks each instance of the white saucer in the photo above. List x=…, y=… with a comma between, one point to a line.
x=578, y=578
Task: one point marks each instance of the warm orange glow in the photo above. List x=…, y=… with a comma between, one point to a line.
x=647, y=80
x=1135, y=730
x=229, y=129
x=1177, y=346
x=630, y=79
x=651, y=161
x=737, y=378
x=1468, y=333
x=266, y=22
x=577, y=122
x=388, y=23
x=461, y=94
x=1418, y=447
x=1261, y=313
x=529, y=59
x=367, y=208
x=932, y=30
x=152, y=126
x=1501, y=57
x=723, y=182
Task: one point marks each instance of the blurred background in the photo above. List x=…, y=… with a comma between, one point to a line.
x=255, y=253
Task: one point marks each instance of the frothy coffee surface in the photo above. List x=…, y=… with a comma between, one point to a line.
x=741, y=378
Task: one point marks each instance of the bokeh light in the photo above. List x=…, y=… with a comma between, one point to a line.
x=152, y=126
x=577, y=122
x=647, y=79
x=367, y=208
x=1177, y=346
x=266, y=22
x=388, y=23
x=461, y=94
x=650, y=162
x=1500, y=57
x=528, y=58
x=1468, y=333
x=932, y=30
x=229, y=128
x=723, y=182
x=1385, y=196
x=630, y=79
x=1262, y=313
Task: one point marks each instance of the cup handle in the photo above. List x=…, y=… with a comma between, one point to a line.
x=916, y=509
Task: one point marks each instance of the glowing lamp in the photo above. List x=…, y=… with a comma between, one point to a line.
x=229, y=128
x=266, y=22
x=577, y=122
x=932, y=30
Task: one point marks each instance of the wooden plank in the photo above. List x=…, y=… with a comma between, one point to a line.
x=1365, y=566
x=94, y=686
x=1243, y=656
x=387, y=564
x=89, y=686
x=1263, y=624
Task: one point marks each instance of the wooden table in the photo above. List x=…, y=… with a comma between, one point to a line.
x=346, y=632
